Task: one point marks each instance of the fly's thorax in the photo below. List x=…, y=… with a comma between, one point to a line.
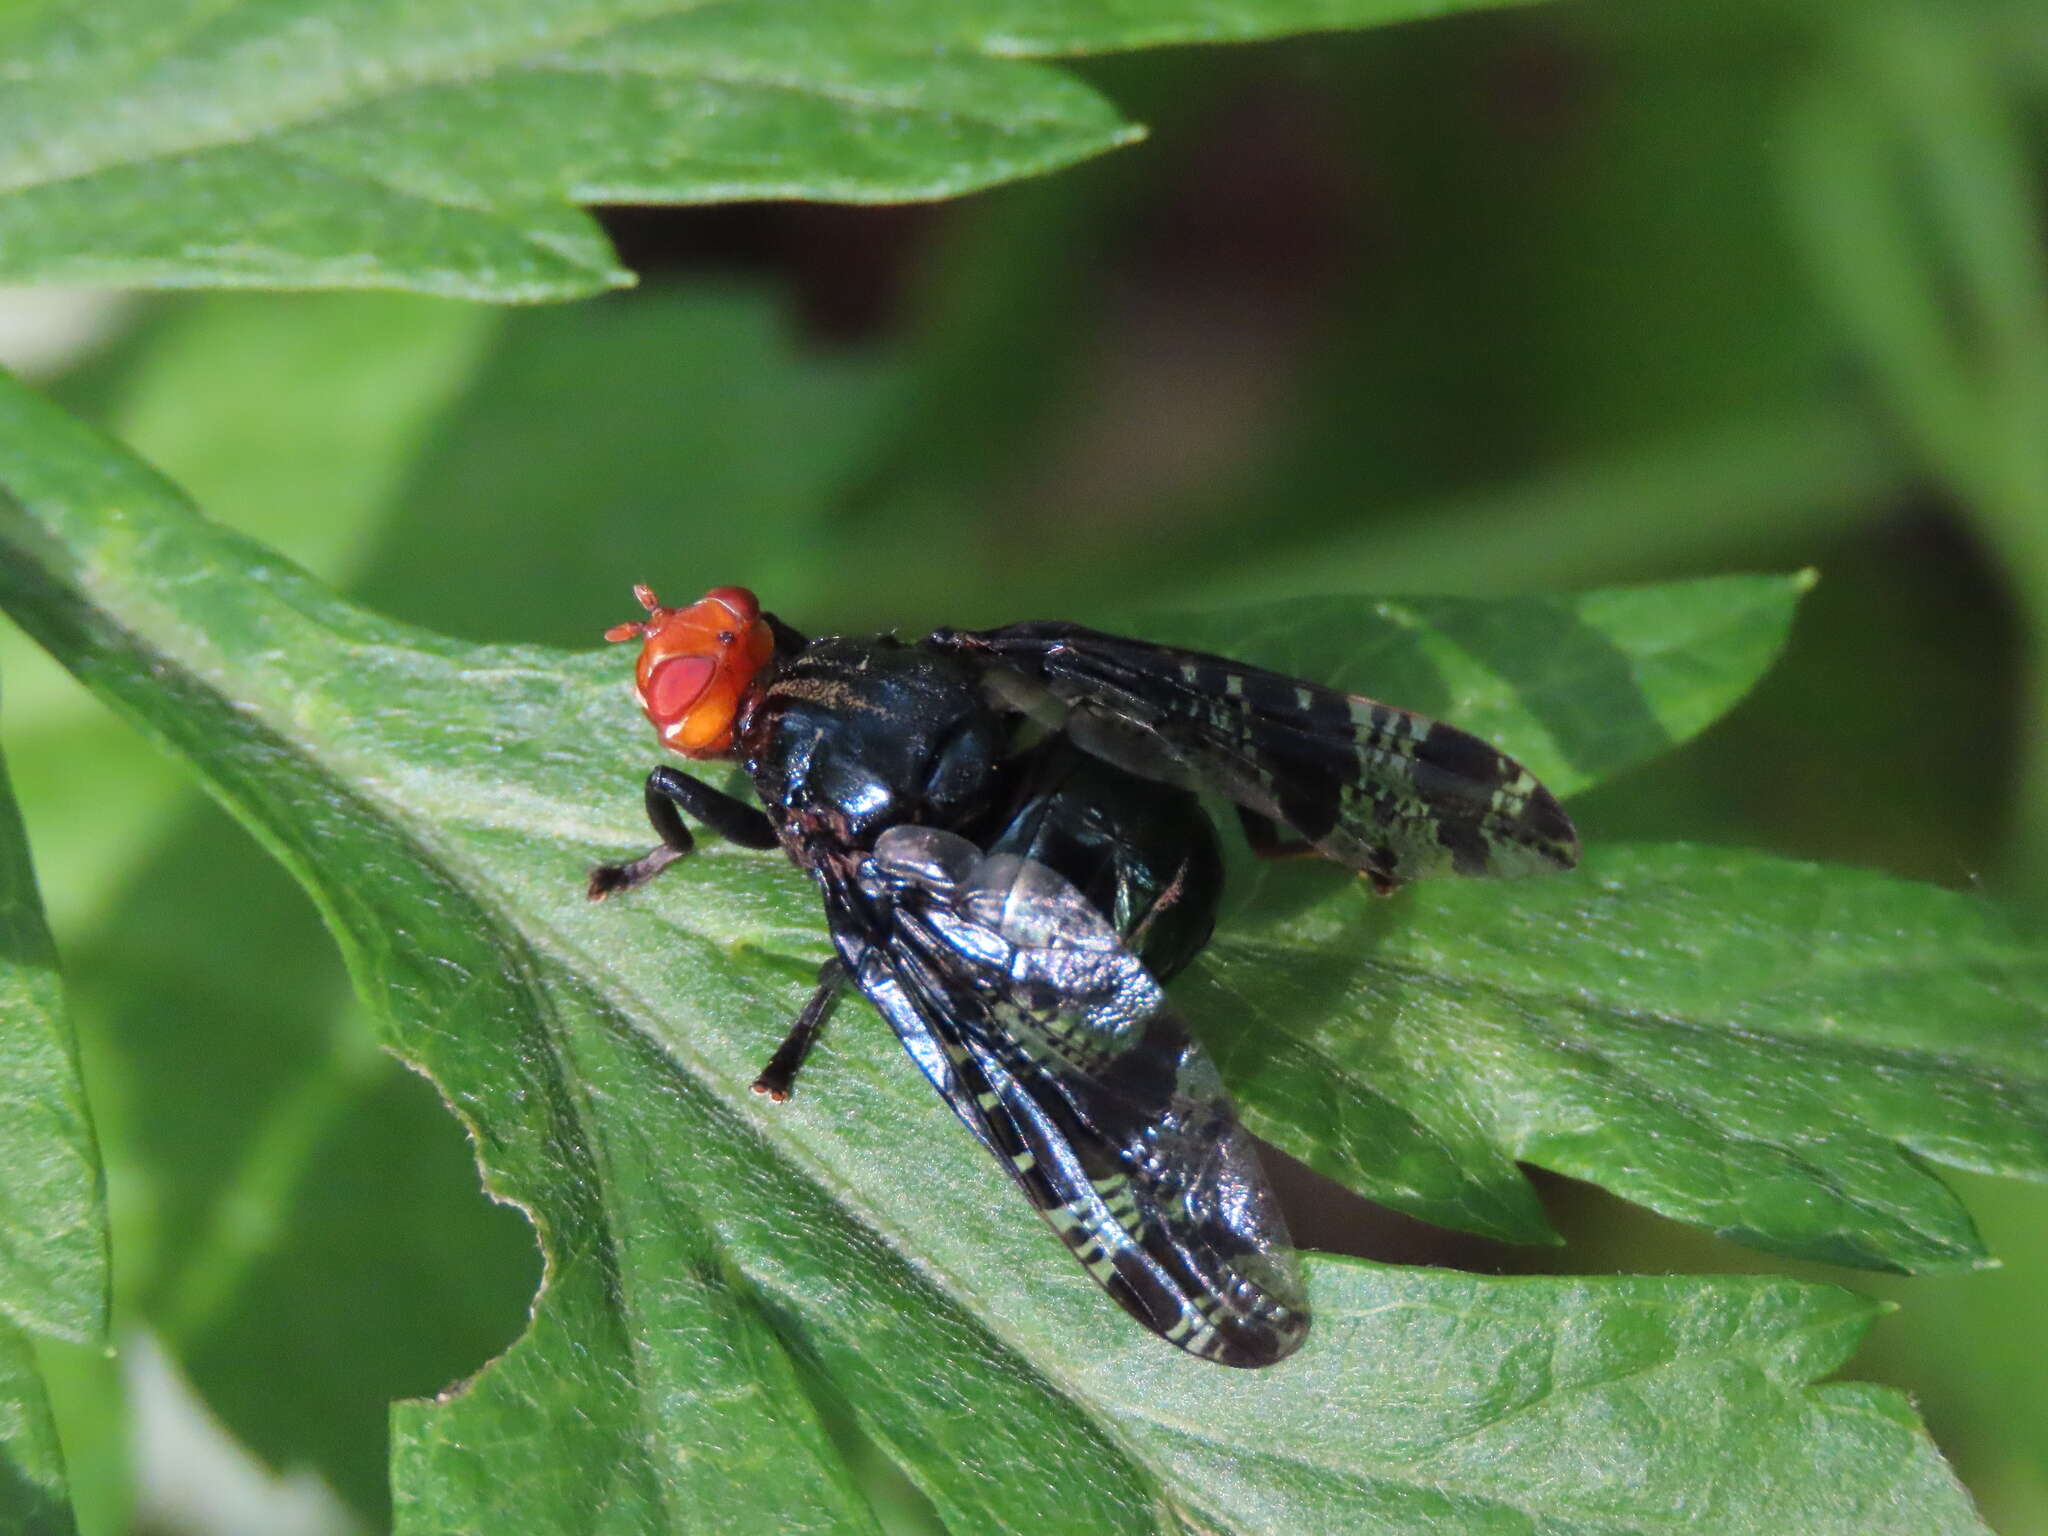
x=851, y=737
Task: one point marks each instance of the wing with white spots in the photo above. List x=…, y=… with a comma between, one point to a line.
x=1393, y=794
x=1054, y=1044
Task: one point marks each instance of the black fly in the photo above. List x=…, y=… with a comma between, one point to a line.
x=1006, y=829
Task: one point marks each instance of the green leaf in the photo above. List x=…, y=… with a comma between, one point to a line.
x=443, y=146
x=1048, y=28
x=711, y=1256
x=53, y=1238
x=1578, y=688
x=35, y=1496
x=1764, y=1047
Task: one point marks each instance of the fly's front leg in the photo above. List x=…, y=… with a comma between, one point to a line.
x=669, y=793
x=779, y=1076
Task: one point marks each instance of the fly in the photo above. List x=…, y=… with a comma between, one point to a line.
x=1007, y=829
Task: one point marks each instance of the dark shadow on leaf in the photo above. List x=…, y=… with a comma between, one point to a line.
x=1571, y=677
x=24, y=938
x=1298, y=948
x=1326, y=1217
x=28, y=1508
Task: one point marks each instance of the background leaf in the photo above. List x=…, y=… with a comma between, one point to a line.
x=35, y=1497
x=53, y=1220
x=1579, y=687
x=1913, y=195
x=601, y=1055
x=443, y=147
x=53, y=1259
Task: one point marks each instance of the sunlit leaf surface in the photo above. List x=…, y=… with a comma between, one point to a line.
x=709, y=1254
x=444, y=146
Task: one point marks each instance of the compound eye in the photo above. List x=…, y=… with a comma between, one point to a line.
x=676, y=684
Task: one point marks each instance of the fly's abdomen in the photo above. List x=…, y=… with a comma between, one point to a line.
x=1144, y=854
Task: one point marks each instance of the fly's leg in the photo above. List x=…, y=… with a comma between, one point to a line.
x=1167, y=899
x=731, y=818
x=1264, y=839
x=1262, y=834
x=667, y=791
x=779, y=1076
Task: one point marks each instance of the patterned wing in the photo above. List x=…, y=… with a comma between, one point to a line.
x=1054, y=1044
x=1390, y=793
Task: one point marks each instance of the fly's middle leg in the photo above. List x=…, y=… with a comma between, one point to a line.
x=779, y=1076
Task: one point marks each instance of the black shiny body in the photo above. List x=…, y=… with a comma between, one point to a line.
x=846, y=738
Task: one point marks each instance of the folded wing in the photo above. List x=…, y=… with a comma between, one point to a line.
x=1387, y=792
x=1054, y=1044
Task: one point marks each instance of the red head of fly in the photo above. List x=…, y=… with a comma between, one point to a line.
x=696, y=664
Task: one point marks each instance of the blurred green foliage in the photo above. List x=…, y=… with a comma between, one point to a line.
x=1518, y=301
